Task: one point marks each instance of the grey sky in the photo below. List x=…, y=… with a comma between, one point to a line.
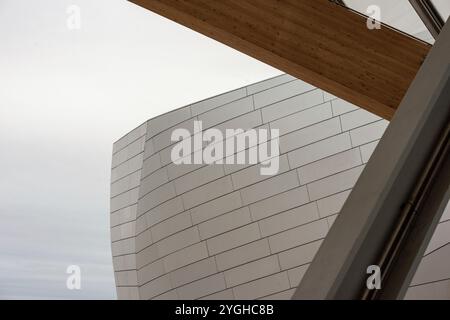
x=65, y=96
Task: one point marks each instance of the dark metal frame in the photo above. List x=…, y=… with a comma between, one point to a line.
x=426, y=11
x=339, y=2
x=429, y=15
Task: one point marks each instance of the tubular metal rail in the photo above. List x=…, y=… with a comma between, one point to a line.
x=429, y=16
x=414, y=208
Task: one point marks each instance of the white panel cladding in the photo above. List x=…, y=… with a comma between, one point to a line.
x=434, y=266
x=163, y=139
x=129, y=138
x=124, y=199
x=328, y=166
x=266, y=188
x=298, y=236
x=207, y=192
x=446, y=214
x=357, y=118
x=125, y=180
x=302, y=119
x=127, y=293
x=241, y=255
x=155, y=287
x=164, y=211
x=278, y=203
x=292, y=105
x=319, y=150
x=251, y=175
x=216, y=207
x=283, y=295
x=233, y=239
x=186, y=256
x=435, y=291
x=194, y=271
x=178, y=241
x=126, y=230
x=289, y=219
x=151, y=164
x=198, y=177
x=126, y=183
x=368, y=133
x=224, y=223
x=441, y=237
x=217, y=101
x=228, y=111
x=153, y=181
x=281, y=92
x=123, y=215
x=332, y=204
x=167, y=120
x=125, y=262
x=334, y=184
x=129, y=152
x=340, y=106
x=262, y=287
x=221, y=295
x=251, y=271
x=295, y=275
x=170, y=226
x=151, y=271
x=125, y=168
x=225, y=231
x=203, y=287
x=300, y=255
x=328, y=96
x=309, y=135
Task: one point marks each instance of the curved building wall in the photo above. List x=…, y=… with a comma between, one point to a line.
x=225, y=231
x=125, y=182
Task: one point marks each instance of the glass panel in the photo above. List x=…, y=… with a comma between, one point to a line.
x=398, y=14
x=443, y=7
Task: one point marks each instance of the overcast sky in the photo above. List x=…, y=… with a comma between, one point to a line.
x=65, y=96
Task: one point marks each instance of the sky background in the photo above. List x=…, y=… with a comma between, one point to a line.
x=65, y=97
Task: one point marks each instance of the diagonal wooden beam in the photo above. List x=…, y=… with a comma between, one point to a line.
x=320, y=42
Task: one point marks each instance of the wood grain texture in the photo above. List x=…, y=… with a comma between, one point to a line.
x=317, y=41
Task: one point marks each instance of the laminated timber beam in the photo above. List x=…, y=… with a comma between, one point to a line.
x=320, y=42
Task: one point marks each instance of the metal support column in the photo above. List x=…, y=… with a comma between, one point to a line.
x=429, y=16
x=397, y=202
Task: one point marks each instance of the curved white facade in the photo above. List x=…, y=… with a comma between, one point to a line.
x=225, y=231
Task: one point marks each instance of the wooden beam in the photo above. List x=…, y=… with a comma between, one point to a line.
x=322, y=43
